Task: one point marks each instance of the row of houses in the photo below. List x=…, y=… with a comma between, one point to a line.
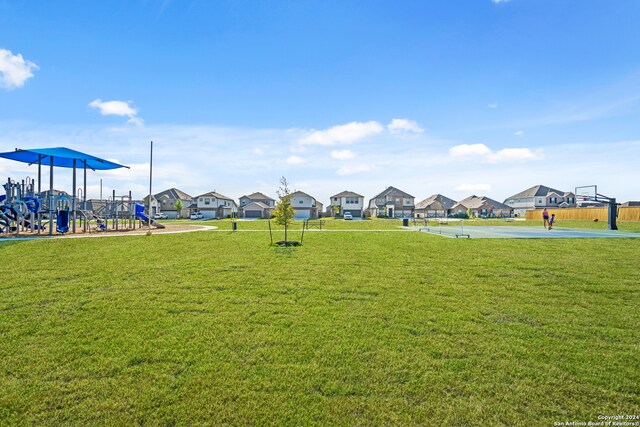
x=390, y=203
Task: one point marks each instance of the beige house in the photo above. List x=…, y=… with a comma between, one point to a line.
x=435, y=206
x=214, y=205
x=392, y=203
x=347, y=201
x=306, y=206
x=482, y=207
x=540, y=197
x=164, y=202
x=256, y=205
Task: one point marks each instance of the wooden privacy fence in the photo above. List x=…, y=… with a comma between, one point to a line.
x=624, y=214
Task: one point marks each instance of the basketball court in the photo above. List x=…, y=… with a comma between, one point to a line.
x=522, y=232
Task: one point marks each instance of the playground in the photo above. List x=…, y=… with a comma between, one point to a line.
x=27, y=211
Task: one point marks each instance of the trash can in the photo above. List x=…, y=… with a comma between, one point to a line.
x=234, y=226
x=405, y=222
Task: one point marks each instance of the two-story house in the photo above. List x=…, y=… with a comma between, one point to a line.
x=436, y=206
x=306, y=206
x=165, y=201
x=482, y=207
x=540, y=197
x=392, y=203
x=214, y=205
x=347, y=201
x=256, y=205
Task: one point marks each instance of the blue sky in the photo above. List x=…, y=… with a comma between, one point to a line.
x=480, y=97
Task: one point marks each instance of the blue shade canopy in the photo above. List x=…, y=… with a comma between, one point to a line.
x=62, y=158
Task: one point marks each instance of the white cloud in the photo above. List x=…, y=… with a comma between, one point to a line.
x=258, y=151
x=492, y=105
x=403, y=126
x=295, y=160
x=465, y=150
x=515, y=155
x=500, y=1
x=342, y=134
x=14, y=69
x=519, y=133
x=343, y=154
x=504, y=155
x=118, y=108
x=466, y=188
x=351, y=169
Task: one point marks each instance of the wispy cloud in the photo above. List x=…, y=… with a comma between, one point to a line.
x=14, y=70
x=500, y=1
x=343, y=154
x=295, y=160
x=400, y=126
x=465, y=150
x=475, y=151
x=342, y=134
x=519, y=133
x=493, y=105
x=118, y=108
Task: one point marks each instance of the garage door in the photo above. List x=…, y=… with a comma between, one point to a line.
x=303, y=214
x=253, y=214
x=355, y=213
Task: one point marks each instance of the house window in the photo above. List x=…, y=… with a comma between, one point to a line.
x=335, y=199
x=301, y=201
x=539, y=200
x=200, y=199
x=553, y=200
x=570, y=200
x=207, y=201
x=407, y=201
x=351, y=200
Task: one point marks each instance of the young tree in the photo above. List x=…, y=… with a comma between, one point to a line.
x=283, y=212
x=178, y=205
x=336, y=210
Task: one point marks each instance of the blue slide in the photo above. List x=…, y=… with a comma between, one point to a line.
x=144, y=218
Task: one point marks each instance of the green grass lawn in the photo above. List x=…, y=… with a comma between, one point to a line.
x=362, y=328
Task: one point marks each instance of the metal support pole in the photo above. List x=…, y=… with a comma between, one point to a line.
x=39, y=189
x=73, y=198
x=50, y=195
x=613, y=213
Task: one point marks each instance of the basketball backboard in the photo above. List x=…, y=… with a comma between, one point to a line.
x=586, y=193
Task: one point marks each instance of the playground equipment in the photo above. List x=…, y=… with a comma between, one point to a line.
x=139, y=211
x=19, y=207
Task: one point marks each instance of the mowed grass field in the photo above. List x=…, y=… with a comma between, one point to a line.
x=353, y=328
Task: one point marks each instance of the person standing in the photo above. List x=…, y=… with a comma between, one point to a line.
x=545, y=217
x=552, y=220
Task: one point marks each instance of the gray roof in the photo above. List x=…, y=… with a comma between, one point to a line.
x=256, y=206
x=257, y=196
x=173, y=193
x=474, y=202
x=301, y=194
x=436, y=201
x=392, y=191
x=347, y=194
x=214, y=194
x=536, y=191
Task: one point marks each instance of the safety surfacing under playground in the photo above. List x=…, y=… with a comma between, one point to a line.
x=522, y=232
